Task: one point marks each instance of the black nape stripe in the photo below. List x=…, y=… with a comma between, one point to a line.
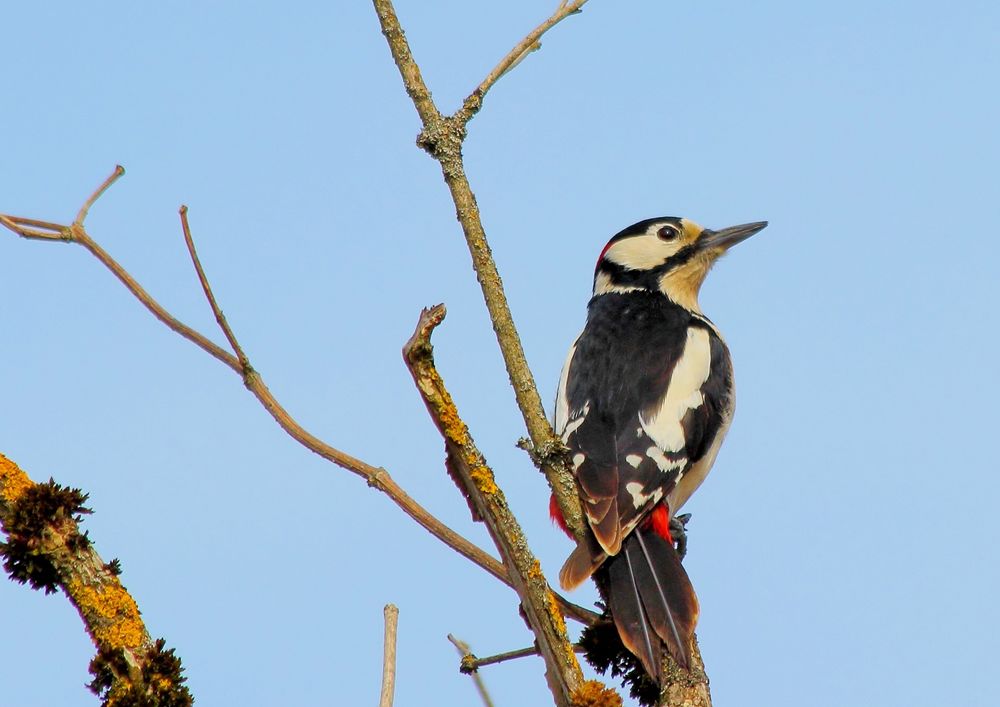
x=625, y=277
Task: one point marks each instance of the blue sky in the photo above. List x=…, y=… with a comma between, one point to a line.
x=844, y=548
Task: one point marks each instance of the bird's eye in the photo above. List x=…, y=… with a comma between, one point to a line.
x=668, y=233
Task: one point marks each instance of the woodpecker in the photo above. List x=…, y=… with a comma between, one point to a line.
x=644, y=401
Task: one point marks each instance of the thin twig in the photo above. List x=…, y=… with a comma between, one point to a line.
x=375, y=476
x=207, y=288
x=472, y=663
x=81, y=215
x=22, y=227
x=466, y=652
x=389, y=656
x=79, y=235
x=516, y=55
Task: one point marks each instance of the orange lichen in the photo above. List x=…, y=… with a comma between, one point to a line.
x=594, y=693
x=483, y=478
x=13, y=481
x=111, y=613
x=556, y=612
x=454, y=428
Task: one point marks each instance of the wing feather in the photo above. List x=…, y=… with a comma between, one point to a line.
x=636, y=406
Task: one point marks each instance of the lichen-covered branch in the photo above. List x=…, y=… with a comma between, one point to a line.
x=685, y=688
x=46, y=549
x=469, y=469
x=442, y=137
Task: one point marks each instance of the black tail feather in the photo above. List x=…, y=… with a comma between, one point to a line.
x=652, y=600
x=631, y=619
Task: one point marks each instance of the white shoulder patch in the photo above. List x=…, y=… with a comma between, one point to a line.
x=576, y=419
x=561, y=416
x=684, y=392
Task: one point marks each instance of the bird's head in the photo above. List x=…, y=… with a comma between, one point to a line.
x=667, y=254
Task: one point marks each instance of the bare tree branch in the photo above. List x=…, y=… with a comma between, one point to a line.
x=442, y=138
x=220, y=318
x=376, y=477
x=469, y=468
x=516, y=55
x=389, y=656
x=477, y=679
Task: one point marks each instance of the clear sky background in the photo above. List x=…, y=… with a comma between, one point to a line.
x=844, y=548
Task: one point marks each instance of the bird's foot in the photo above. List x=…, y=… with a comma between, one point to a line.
x=678, y=531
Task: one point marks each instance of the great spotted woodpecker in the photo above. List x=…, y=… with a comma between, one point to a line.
x=644, y=401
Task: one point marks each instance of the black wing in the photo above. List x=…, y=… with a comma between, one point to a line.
x=640, y=399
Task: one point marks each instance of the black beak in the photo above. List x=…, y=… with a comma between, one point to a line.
x=728, y=237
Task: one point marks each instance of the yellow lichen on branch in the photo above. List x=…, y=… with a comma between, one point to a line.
x=484, y=480
x=442, y=137
x=556, y=614
x=13, y=482
x=115, y=621
x=478, y=484
x=46, y=549
x=595, y=694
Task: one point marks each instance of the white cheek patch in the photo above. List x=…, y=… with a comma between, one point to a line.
x=684, y=392
x=643, y=252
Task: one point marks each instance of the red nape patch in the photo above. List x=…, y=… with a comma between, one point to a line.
x=557, y=516
x=603, y=252
x=659, y=521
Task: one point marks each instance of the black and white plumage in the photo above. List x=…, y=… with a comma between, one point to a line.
x=644, y=401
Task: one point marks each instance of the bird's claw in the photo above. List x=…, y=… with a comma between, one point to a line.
x=678, y=531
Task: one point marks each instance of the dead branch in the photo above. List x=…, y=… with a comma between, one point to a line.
x=389, y=656
x=442, y=137
x=515, y=56
x=466, y=652
x=376, y=477
x=469, y=469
